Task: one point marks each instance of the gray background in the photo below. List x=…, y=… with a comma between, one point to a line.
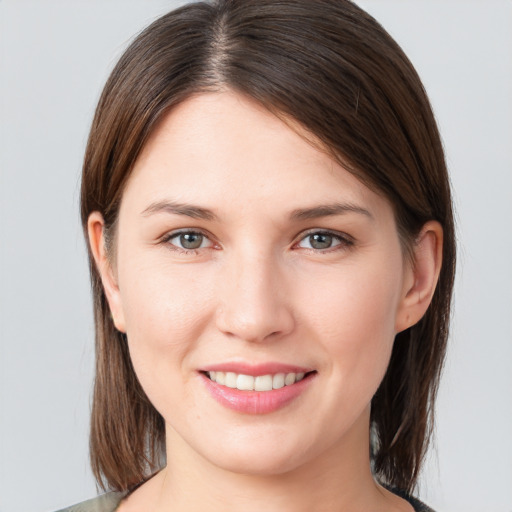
x=55, y=56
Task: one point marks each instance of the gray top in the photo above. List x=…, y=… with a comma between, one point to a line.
x=110, y=501
x=105, y=503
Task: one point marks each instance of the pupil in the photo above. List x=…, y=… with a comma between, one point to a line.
x=320, y=241
x=191, y=240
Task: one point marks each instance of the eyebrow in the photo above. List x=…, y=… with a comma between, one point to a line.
x=198, y=212
x=195, y=212
x=327, y=210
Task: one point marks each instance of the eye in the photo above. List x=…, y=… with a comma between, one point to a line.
x=323, y=240
x=188, y=240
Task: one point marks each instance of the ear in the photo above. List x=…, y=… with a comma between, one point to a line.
x=95, y=231
x=421, y=276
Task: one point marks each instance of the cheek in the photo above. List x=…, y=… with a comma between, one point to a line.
x=355, y=300
x=353, y=320
x=165, y=312
x=161, y=296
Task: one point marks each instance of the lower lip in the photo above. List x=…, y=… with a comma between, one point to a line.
x=256, y=402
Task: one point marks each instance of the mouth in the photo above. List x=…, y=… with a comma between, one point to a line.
x=262, y=393
x=267, y=382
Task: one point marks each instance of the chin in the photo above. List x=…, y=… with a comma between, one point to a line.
x=259, y=463
x=262, y=452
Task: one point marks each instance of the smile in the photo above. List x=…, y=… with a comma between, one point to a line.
x=251, y=383
x=267, y=391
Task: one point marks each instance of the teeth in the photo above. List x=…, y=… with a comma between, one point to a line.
x=245, y=382
x=230, y=380
x=289, y=379
x=250, y=383
x=263, y=383
x=278, y=380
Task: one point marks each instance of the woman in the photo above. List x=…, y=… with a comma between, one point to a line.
x=272, y=255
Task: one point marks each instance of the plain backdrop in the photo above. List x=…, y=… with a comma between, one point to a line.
x=55, y=57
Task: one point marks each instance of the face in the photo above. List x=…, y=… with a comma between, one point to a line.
x=246, y=258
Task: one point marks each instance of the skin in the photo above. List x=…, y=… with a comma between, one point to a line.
x=257, y=290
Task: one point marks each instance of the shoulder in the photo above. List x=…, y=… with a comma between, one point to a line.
x=105, y=503
x=416, y=503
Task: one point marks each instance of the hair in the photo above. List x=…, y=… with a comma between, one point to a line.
x=330, y=67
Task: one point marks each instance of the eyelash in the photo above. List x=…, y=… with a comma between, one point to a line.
x=344, y=241
x=167, y=240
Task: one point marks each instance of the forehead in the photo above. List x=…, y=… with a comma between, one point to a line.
x=223, y=149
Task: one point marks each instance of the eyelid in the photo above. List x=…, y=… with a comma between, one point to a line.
x=345, y=239
x=166, y=239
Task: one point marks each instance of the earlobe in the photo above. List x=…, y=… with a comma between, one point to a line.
x=96, y=234
x=423, y=274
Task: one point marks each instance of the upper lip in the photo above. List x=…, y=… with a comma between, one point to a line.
x=255, y=370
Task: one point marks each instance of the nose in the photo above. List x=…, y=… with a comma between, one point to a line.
x=253, y=303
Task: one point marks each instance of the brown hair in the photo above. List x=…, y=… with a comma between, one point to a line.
x=331, y=67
